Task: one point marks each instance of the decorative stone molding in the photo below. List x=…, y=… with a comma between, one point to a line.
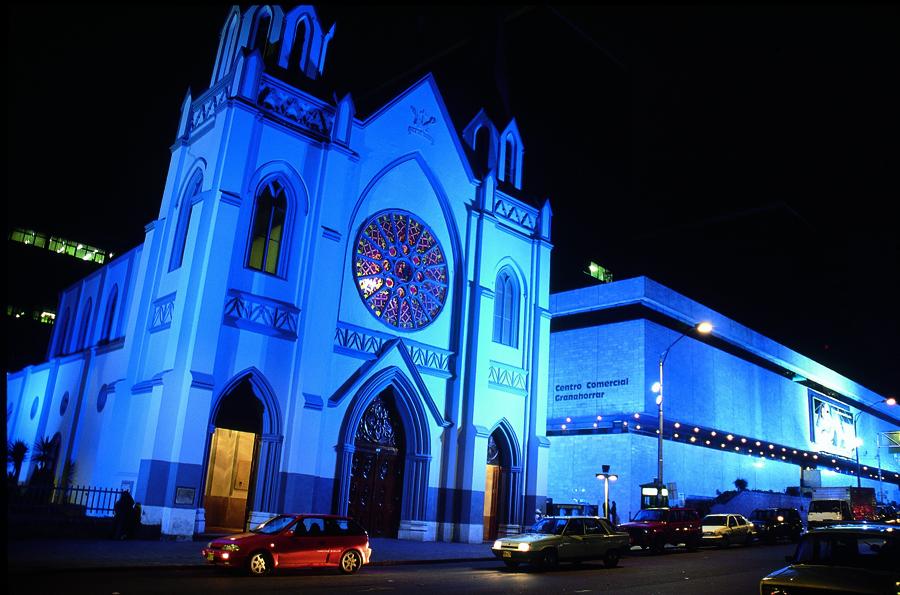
x=204, y=110
x=513, y=211
x=365, y=343
x=261, y=315
x=508, y=378
x=294, y=108
x=163, y=313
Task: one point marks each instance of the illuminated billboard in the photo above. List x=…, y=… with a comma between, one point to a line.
x=832, y=426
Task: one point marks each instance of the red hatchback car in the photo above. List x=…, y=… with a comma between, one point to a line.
x=293, y=541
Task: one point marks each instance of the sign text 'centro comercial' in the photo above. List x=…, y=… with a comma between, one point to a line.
x=573, y=392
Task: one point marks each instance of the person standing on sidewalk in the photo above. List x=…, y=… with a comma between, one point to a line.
x=124, y=510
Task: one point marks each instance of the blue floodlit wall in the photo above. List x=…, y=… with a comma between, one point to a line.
x=604, y=360
x=194, y=321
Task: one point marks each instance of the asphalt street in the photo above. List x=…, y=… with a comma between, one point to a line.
x=735, y=571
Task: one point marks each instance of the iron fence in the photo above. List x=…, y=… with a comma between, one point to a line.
x=77, y=500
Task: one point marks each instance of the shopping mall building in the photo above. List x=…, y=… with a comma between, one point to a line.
x=735, y=405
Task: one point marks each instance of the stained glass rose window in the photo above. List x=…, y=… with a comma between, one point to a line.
x=400, y=270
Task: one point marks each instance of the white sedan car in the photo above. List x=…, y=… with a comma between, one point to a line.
x=724, y=529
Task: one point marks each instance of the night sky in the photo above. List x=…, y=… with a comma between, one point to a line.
x=746, y=157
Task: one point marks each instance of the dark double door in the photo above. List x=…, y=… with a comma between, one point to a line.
x=376, y=482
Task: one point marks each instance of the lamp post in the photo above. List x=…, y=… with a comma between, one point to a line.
x=703, y=328
x=890, y=402
x=607, y=477
x=857, y=442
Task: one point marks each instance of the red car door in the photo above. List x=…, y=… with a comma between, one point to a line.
x=307, y=546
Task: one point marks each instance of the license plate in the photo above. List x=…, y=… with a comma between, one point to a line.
x=507, y=554
x=210, y=556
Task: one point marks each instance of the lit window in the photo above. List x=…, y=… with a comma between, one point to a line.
x=400, y=270
x=506, y=310
x=268, y=228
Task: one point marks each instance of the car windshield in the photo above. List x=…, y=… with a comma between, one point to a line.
x=825, y=506
x=650, y=515
x=763, y=515
x=855, y=551
x=549, y=526
x=715, y=520
x=274, y=525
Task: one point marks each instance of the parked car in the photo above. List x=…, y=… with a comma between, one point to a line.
x=293, y=541
x=655, y=527
x=725, y=529
x=563, y=539
x=840, y=559
x=773, y=524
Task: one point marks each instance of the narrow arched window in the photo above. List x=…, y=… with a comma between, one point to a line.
x=109, y=321
x=184, y=220
x=506, y=310
x=62, y=336
x=509, y=166
x=85, y=326
x=482, y=150
x=267, y=231
x=298, y=49
x=261, y=35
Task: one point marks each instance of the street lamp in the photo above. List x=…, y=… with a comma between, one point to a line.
x=607, y=477
x=703, y=328
x=890, y=402
x=857, y=442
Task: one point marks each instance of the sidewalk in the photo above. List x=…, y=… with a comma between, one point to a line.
x=80, y=554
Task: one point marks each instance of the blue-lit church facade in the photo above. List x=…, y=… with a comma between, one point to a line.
x=735, y=405
x=330, y=313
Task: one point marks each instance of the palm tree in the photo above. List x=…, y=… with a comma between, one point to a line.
x=16, y=451
x=44, y=452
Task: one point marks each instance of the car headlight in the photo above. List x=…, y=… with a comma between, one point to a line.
x=231, y=547
x=524, y=547
x=498, y=544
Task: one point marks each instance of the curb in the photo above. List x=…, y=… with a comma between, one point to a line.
x=34, y=569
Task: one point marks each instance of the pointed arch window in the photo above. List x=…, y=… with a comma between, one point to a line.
x=482, y=149
x=62, y=336
x=109, y=321
x=298, y=48
x=261, y=34
x=506, y=310
x=184, y=220
x=267, y=230
x=85, y=325
x=509, y=165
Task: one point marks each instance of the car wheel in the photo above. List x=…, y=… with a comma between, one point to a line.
x=749, y=539
x=726, y=541
x=659, y=545
x=351, y=561
x=259, y=564
x=550, y=558
x=611, y=559
x=511, y=563
x=693, y=543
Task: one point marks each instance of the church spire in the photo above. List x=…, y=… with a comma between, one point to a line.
x=293, y=42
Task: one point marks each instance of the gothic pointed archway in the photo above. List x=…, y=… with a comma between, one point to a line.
x=503, y=476
x=376, y=475
x=243, y=450
x=384, y=454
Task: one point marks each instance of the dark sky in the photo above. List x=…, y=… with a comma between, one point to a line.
x=747, y=157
